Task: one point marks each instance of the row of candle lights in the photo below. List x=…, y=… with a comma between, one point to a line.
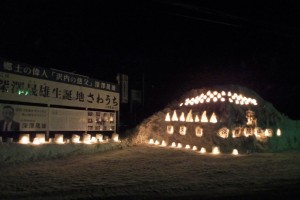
x=59, y=139
x=215, y=150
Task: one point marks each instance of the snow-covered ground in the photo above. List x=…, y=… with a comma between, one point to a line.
x=152, y=172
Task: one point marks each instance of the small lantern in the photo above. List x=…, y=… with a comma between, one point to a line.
x=235, y=152
x=59, y=138
x=151, y=141
x=202, y=150
x=24, y=139
x=216, y=151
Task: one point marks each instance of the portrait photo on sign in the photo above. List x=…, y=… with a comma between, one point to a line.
x=8, y=121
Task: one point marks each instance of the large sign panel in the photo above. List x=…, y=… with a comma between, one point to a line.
x=26, y=89
x=23, y=118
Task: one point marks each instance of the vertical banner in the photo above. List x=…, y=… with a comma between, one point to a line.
x=124, y=88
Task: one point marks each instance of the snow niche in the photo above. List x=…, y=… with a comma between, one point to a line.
x=230, y=117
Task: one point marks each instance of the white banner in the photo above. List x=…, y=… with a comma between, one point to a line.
x=15, y=87
x=67, y=120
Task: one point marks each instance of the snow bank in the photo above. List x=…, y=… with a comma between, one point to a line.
x=13, y=153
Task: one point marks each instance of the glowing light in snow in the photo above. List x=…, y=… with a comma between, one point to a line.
x=163, y=144
x=151, y=141
x=213, y=118
x=278, y=132
x=168, y=118
x=204, y=117
x=173, y=144
x=202, y=150
x=187, y=146
x=182, y=118
x=59, y=138
x=182, y=130
x=170, y=129
x=199, y=131
x=24, y=139
x=197, y=118
x=93, y=139
x=215, y=150
x=179, y=145
x=194, y=148
x=41, y=137
x=174, y=116
x=156, y=142
x=75, y=138
x=86, y=138
x=235, y=152
x=99, y=137
x=36, y=141
x=189, y=117
x=115, y=137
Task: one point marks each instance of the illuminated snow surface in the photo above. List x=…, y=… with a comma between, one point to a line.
x=118, y=171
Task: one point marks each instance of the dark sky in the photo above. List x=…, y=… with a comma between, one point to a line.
x=177, y=45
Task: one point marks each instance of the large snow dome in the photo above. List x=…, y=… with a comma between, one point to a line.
x=227, y=117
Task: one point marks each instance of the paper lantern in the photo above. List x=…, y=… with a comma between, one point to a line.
x=36, y=141
x=24, y=139
x=86, y=138
x=75, y=138
x=115, y=137
x=99, y=137
x=59, y=138
x=41, y=137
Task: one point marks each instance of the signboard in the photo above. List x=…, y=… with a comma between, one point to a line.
x=33, y=90
x=23, y=118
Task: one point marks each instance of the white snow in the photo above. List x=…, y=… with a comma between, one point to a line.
x=122, y=171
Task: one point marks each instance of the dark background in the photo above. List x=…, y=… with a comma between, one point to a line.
x=165, y=47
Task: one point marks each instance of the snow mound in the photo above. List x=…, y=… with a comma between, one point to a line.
x=229, y=117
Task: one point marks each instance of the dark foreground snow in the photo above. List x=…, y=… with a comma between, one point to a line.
x=152, y=172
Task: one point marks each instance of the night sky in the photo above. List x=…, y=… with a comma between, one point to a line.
x=175, y=45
